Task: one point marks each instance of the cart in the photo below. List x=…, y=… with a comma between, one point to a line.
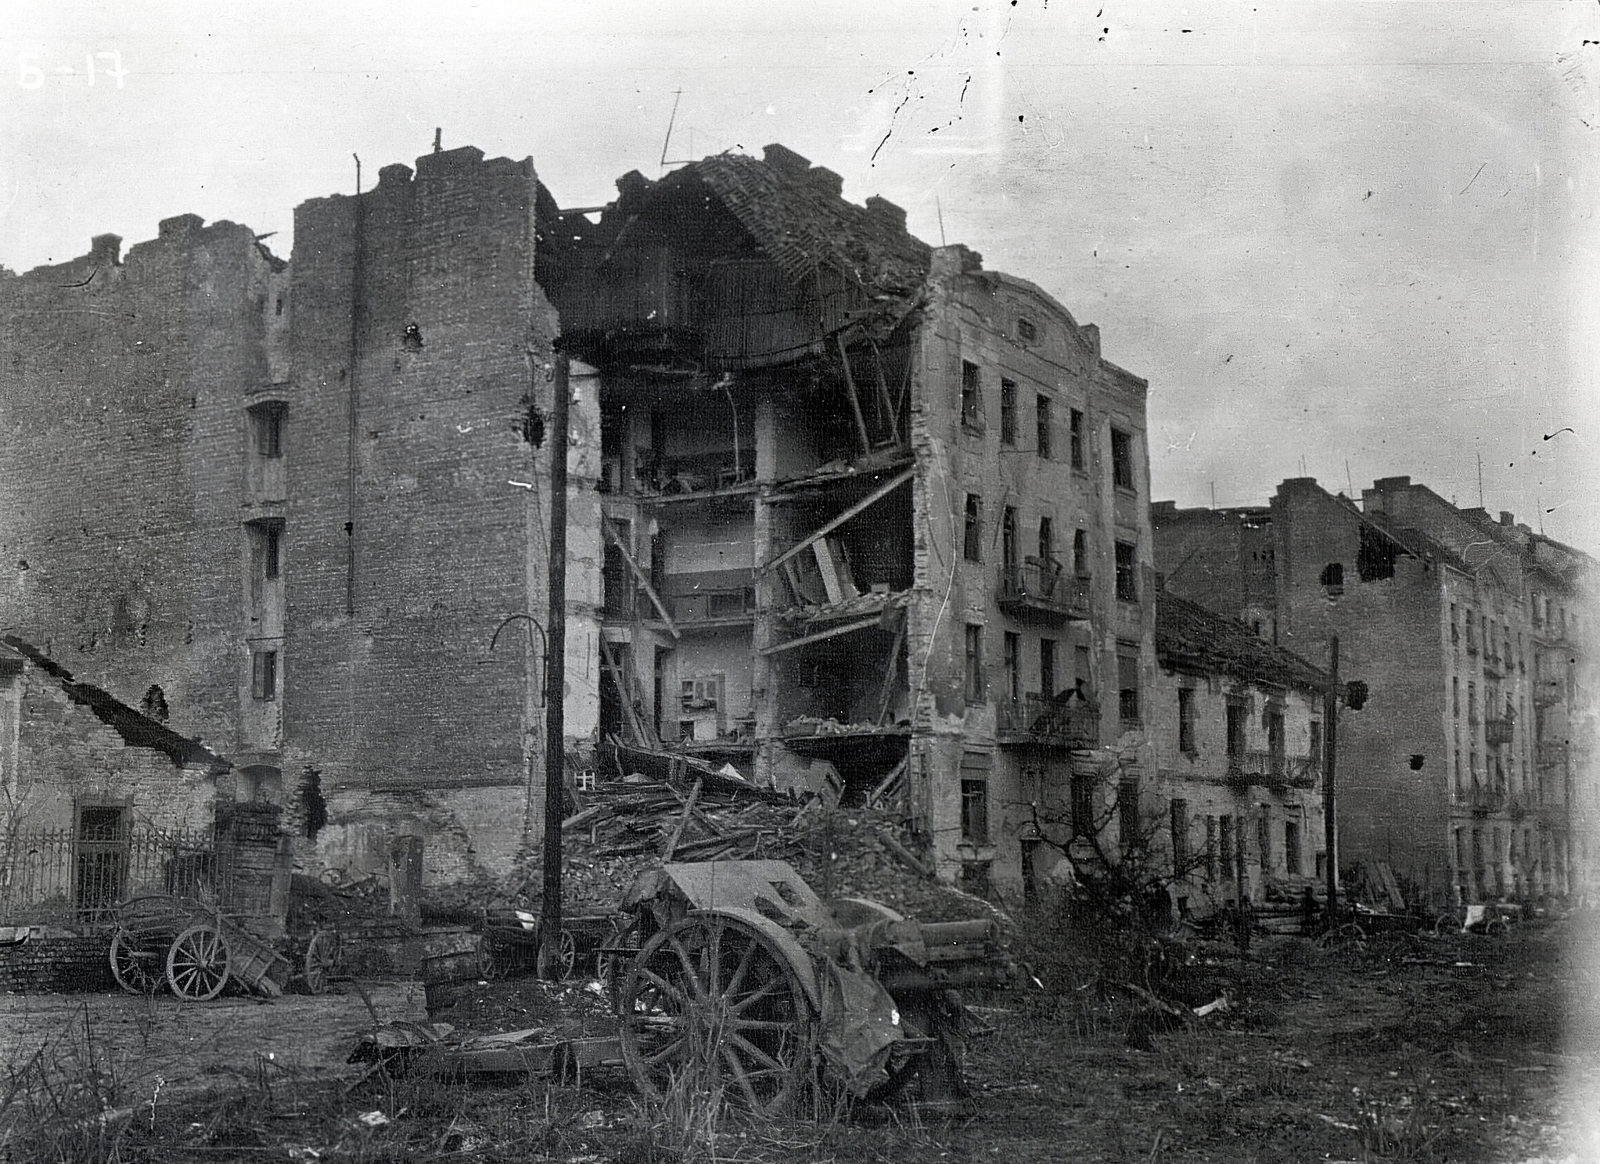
x=747, y=981
x=511, y=940
x=196, y=950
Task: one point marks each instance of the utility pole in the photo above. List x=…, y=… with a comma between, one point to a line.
x=555, y=680
x=1330, y=718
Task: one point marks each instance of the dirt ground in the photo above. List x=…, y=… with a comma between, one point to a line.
x=1460, y=1049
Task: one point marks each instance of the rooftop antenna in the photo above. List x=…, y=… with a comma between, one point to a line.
x=1302, y=466
x=677, y=95
x=1480, y=480
x=1349, y=482
x=940, y=211
x=1538, y=504
x=1213, y=495
x=438, y=135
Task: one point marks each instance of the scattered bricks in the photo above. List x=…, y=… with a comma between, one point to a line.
x=56, y=963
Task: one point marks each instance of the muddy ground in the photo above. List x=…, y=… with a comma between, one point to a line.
x=1462, y=1049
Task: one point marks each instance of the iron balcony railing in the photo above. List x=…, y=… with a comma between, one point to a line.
x=1054, y=723
x=1041, y=586
x=1272, y=770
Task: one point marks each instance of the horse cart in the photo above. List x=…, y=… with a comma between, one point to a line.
x=511, y=940
x=196, y=950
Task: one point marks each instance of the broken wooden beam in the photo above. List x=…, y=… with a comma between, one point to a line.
x=870, y=499
x=834, y=632
x=639, y=575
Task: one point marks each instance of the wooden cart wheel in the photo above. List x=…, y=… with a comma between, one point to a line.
x=322, y=958
x=197, y=963
x=567, y=960
x=136, y=968
x=1446, y=923
x=710, y=1004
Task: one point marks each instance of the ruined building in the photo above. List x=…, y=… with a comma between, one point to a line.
x=1470, y=767
x=847, y=512
x=875, y=516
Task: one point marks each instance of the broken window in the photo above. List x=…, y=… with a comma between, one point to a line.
x=264, y=675
x=1075, y=433
x=1179, y=813
x=1238, y=714
x=266, y=427
x=1315, y=750
x=1128, y=684
x=1080, y=553
x=1043, y=425
x=1128, y=814
x=971, y=397
x=1008, y=537
x=974, y=684
x=1225, y=844
x=1291, y=847
x=1008, y=412
x=1186, y=720
x=1047, y=667
x=1455, y=696
x=1275, y=740
x=1026, y=331
x=1080, y=667
x=1375, y=555
x=1127, y=573
x=1333, y=575
x=1082, y=805
x=1455, y=630
x=1121, y=459
x=1047, y=540
x=1012, y=650
x=972, y=540
x=975, y=811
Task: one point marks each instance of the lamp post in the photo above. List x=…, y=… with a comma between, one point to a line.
x=555, y=679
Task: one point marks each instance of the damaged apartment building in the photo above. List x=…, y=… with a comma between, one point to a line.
x=875, y=517
x=846, y=512
x=1469, y=770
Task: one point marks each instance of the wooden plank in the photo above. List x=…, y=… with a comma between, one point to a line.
x=890, y=674
x=831, y=581
x=855, y=399
x=835, y=632
x=639, y=575
x=889, y=784
x=683, y=822
x=870, y=499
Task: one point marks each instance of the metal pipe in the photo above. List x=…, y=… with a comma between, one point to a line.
x=555, y=679
x=1330, y=716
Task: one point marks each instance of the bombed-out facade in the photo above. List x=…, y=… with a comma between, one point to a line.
x=875, y=517
x=846, y=512
x=1468, y=770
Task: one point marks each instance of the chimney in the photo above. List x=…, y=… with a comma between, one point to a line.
x=886, y=212
x=1506, y=518
x=106, y=249
x=1384, y=483
x=397, y=174
x=826, y=180
x=1091, y=332
x=785, y=160
x=179, y=225
x=631, y=185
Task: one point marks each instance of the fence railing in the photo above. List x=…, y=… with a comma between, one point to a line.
x=56, y=875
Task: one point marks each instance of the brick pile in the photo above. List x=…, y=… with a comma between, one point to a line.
x=54, y=961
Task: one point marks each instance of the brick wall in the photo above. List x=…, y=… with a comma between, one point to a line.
x=51, y=962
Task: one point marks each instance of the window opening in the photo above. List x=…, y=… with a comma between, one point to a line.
x=1075, y=432
x=1127, y=573
x=1045, y=437
x=1008, y=412
x=972, y=541
x=1121, y=459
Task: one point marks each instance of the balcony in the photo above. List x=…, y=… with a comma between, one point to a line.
x=1049, y=723
x=1485, y=798
x=1038, y=587
x=1497, y=731
x=1271, y=770
x=1551, y=753
x=732, y=606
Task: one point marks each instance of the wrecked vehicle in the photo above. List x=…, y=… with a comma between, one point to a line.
x=746, y=979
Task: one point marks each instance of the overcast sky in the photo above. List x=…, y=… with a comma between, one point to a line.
x=1347, y=239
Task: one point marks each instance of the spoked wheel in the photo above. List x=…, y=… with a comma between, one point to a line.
x=1446, y=923
x=1497, y=927
x=567, y=958
x=136, y=967
x=197, y=963
x=1349, y=934
x=322, y=959
x=710, y=1004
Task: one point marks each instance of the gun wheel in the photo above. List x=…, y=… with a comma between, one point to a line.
x=197, y=963
x=322, y=959
x=136, y=968
x=711, y=1005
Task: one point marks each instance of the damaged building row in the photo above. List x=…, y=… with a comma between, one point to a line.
x=1469, y=771
x=847, y=514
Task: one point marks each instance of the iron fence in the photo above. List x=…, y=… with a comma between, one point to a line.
x=59, y=875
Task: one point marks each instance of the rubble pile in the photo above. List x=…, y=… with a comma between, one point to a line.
x=626, y=826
